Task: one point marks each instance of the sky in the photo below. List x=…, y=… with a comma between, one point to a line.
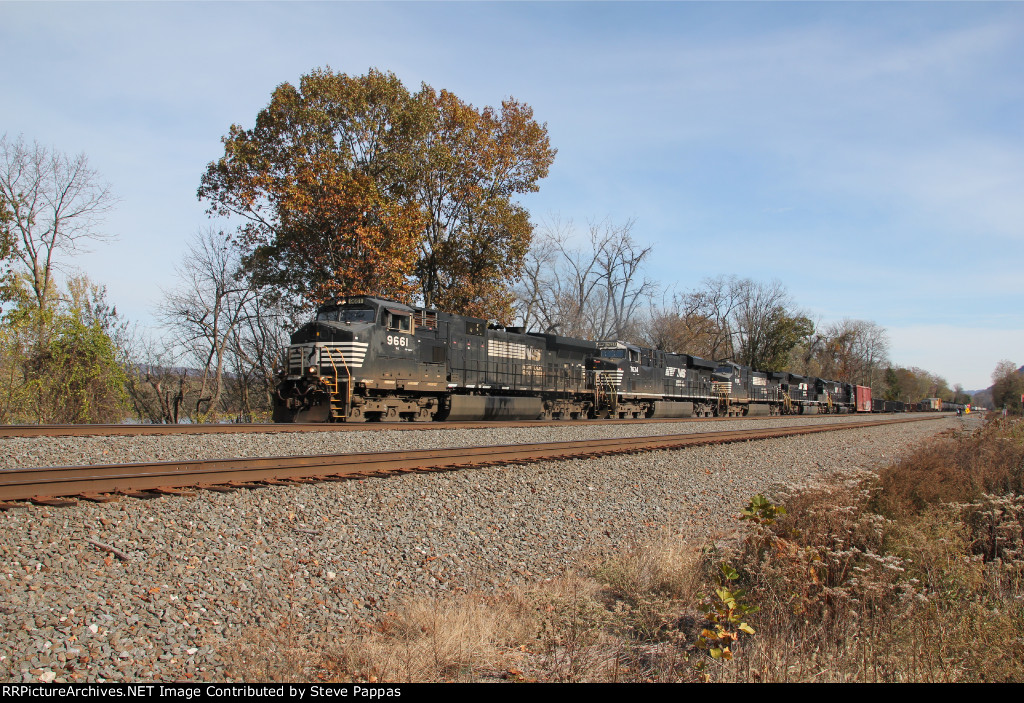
x=870, y=156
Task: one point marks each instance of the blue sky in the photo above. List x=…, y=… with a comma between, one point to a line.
x=868, y=155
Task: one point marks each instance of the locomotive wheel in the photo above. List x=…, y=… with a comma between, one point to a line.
x=424, y=415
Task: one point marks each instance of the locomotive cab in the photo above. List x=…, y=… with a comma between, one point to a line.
x=618, y=377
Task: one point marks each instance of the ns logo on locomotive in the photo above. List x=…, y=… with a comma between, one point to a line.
x=367, y=358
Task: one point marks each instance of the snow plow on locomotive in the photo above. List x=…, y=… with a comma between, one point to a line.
x=367, y=358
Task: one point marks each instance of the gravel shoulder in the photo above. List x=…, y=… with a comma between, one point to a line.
x=22, y=452
x=204, y=570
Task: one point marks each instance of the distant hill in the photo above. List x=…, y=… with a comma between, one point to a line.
x=982, y=398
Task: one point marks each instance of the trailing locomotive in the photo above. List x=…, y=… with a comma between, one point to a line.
x=367, y=358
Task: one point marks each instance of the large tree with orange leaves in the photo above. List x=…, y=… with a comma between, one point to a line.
x=353, y=184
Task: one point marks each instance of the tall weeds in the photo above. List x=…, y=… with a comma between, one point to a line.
x=912, y=574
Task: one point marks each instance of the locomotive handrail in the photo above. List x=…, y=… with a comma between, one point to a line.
x=348, y=380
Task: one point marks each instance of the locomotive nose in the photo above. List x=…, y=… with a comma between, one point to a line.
x=321, y=332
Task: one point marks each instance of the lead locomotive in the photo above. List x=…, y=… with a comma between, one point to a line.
x=367, y=358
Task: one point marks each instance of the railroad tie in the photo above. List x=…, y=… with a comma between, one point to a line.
x=53, y=502
x=216, y=488
x=100, y=497
x=167, y=490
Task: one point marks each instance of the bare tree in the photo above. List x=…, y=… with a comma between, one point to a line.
x=537, y=290
x=55, y=204
x=156, y=388
x=257, y=347
x=595, y=291
x=230, y=331
x=205, y=310
x=716, y=302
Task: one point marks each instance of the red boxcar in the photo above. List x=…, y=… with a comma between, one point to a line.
x=863, y=398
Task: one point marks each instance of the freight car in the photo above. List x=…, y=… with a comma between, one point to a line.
x=368, y=358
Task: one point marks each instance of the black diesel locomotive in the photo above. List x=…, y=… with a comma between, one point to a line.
x=366, y=358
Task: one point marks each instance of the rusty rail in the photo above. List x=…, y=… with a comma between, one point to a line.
x=102, y=481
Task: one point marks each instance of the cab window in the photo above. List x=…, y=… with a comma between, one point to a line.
x=400, y=322
x=346, y=315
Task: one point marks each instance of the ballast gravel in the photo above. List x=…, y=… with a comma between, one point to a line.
x=205, y=573
x=21, y=452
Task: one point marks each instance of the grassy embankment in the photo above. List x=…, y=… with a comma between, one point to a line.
x=914, y=574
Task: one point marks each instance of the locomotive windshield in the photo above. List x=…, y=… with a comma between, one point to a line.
x=346, y=315
x=631, y=354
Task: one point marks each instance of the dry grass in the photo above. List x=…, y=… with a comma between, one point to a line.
x=956, y=468
x=916, y=574
x=606, y=627
x=911, y=576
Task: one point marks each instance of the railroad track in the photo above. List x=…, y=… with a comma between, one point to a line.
x=255, y=428
x=64, y=485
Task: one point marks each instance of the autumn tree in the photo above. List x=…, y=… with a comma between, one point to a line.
x=1007, y=386
x=6, y=250
x=473, y=163
x=727, y=317
x=54, y=205
x=681, y=326
x=354, y=184
x=911, y=385
x=713, y=306
x=960, y=396
x=853, y=351
x=694, y=323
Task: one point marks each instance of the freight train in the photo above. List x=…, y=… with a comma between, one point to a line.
x=367, y=358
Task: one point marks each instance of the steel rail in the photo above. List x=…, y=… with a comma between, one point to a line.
x=171, y=476
x=275, y=428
